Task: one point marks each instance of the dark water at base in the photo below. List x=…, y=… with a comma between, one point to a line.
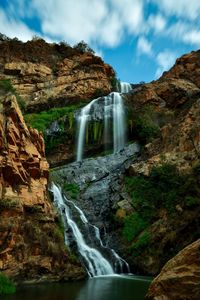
x=99, y=288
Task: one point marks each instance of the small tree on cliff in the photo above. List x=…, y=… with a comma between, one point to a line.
x=83, y=47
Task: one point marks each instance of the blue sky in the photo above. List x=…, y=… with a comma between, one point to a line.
x=139, y=38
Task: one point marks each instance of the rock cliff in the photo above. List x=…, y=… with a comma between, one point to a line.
x=31, y=243
x=163, y=185
x=179, y=278
x=47, y=75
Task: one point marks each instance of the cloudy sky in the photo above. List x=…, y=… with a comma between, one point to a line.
x=139, y=38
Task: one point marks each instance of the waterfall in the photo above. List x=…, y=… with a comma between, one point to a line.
x=118, y=123
x=113, y=108
x=124, y=87
x=82, y=120
x=95, y=263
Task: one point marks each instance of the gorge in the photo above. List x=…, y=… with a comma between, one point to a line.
x=128, y=195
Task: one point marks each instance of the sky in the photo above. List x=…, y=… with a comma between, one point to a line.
x=140, y=39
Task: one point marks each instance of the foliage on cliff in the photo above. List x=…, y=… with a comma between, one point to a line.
x=6, y=285
x=164, y=198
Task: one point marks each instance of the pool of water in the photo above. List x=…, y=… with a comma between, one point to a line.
x=99, y=288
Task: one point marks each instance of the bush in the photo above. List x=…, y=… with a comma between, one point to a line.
x=145, y=125
x=115, y=83
x=7, y=87
x=6, y=285
x=164, y=188
x=42, y=120
x=83, y=47
x=133, y=225
x=71, y=189
x=142, y=242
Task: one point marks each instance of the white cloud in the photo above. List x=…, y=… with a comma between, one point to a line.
x=144, y=46
x=157, y=22
x=131, y=14
x=14, y=28
x=165, y=60
x=192, y=37
x=97, y=22
x=184, y=32
x=181, y=8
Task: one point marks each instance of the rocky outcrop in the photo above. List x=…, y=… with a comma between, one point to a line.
x=175, y=101
x=172, y=105
x=179, y=278
x=55, y=75
x=31, y=243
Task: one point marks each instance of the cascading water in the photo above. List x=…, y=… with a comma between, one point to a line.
x=113, y=108
x=124, y=87
x=82, y=121
x=95, y=263
x=118, y=123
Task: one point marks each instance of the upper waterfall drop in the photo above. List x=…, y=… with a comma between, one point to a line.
x=124, y=87
x=106, y=108
x=82, y=123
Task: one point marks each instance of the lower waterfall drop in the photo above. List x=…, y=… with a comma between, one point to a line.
x=95, y=263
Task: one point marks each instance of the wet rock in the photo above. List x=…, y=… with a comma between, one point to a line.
x=99, y=183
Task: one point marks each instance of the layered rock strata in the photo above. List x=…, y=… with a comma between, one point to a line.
x=31, y=242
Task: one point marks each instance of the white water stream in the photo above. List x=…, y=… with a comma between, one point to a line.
x=95, y=263
x=113, y=108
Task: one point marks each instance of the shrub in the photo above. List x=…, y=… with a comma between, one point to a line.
x=42, y=120
x=145, y=125
x=191, y=201
x=83, y=47
x=6, y=285
x=133, y=225
x=71, y=189
x=115, y=83
x=164, y=188
x=6, y=86
x=6, y=203
x=60, y=224
x=142, y=242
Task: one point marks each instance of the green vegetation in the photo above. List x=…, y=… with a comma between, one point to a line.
x=115, y=83
x=6, y=203
x=83, y=47
x=60, y=224
x=145, y=125
x=164, y=188
x=98, y=93
x=6, y=285
x=133, y=225
x=6, y=86
x=142, y=242
x=72, y=189
x=65, y=118
x=42, y=120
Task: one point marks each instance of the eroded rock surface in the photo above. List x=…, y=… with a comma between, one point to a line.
x=179, y=278
x=31, y=243
x=48, y=75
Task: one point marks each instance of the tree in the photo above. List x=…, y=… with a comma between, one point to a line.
x=83, y=47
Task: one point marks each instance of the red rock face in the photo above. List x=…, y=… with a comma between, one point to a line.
x=180, y=277
x=23, y=163
x=186, y=67
x=52, y=76
x=30, y=241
